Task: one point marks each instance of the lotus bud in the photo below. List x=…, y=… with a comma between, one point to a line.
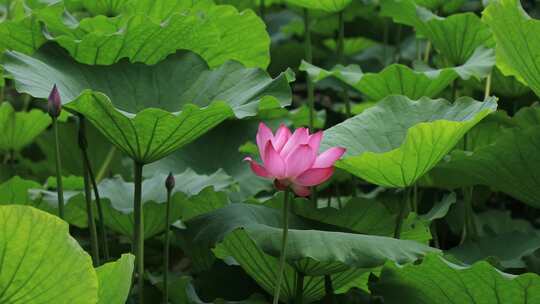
x=54, y=105
x=169, y=182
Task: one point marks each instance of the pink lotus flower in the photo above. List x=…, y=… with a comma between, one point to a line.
x=292, y=160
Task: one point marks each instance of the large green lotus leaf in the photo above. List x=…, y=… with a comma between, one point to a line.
x=436, y=280
x=397, y=141
x=507, y=86
x=15, y=191
x=330, y=6
x=517, y=46
x=18, y=191
x=74, y=205
x=21, y=32
x=509, y=165
x=41, y=262
x=394, y=79
x=351, y=45
x=314, y=252
x=218, y=149
x=19, y=129
x=145, y=31
x=115, y=280
x=360, y=215
x=456, y=37
x=263, y=267
x=508, y=249
x=191, y=192
x=150, y=111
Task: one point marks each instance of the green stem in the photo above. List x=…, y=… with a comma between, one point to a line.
x=309, y=58
x=166, y=249
x=418, y=49
x=299, y=298
x=427, y=52
x=454, y=90
x=414, y=201
x=401, y=215
x=341, y=38
x=59, y=183
x=106, y=164
x=386, y=35
x=262, y=9
x=434, y=234
x=283, y=246
x=487, y=91
x=469, y=228
x=138, y=233
x=101, y=217
x=328, y=290
x=12, y=162
x=83, y=144
x=26, y=99
x=88, y=196
x=398, y=43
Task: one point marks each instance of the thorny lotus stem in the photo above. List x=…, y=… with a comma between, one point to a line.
x=59, y=183
x=88, y=197
x=328, y=290
x=299, y=298
x=138, y=233
x=106, y=164
x=401, y=215
x=83, y=144
x=309, y=58
x=283, y=246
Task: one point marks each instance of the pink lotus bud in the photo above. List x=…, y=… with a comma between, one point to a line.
x=54, y=105
x=292, y=160
x=169, y=182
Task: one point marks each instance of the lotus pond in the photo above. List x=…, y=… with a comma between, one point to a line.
x=269, y=151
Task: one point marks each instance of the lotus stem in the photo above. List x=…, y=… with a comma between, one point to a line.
x=427, y=52
x=59, y=183
x=487, y=90
x=101, y=217
x=401, y=214
x=309, y=58
x=88, y=196
x=341, y=59
x=262, y=9
x=398, y=43
x=454, y=90
x=414, y=200
x=283, y=246
x=106, y=164
x=138, y=233
x=328, y=290
x=169, y=185
x=469, y=227
x=84, y=148
x=299, y=298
